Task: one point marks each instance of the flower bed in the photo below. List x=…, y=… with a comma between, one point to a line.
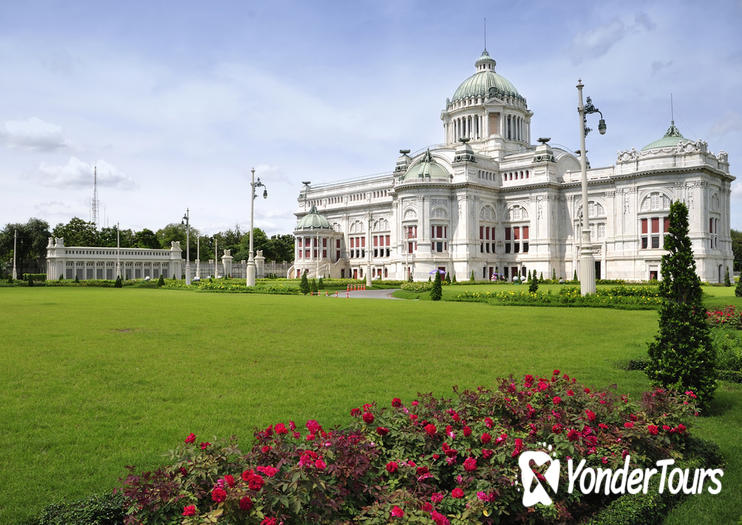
x=429, y=461
x=727, y=317
x=639, y=297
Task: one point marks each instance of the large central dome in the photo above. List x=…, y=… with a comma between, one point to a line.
x=485, y=81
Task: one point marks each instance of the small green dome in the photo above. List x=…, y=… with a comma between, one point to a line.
x=672, y=138
x=313, y=221
x=484, y=80
x=426, y=169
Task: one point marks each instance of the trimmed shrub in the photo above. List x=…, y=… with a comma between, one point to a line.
x=118, y=284
x=320, y=284
x=727, y=282
x=99, y=509
x=436, y=292
x=471, y=277
x=304, y=284
x=161, y=281
x=574, y=276
x=681, y=356
x=533, y=287
x=738, y=288
x=314, y=286
x=448, y=278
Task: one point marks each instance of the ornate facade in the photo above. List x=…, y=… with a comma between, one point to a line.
x=488, y=202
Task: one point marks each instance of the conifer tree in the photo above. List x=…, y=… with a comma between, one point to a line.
x=161, y=281
x=533, y=287
x=574, y=276
x=727, y=282
x=541, y=276
x=304, y=284
x=448, y=278
x=553, y=274
x=681, y=356
x=321, y=284
x=118, y=283
x=314, y=286
x=437, y=292
x=738, y=289
x=471, y=277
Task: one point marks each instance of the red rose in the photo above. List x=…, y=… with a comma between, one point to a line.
x=573, y=435
x=457, y=493
x=320, y=464
x=430, y=429
x=191, y=439
x=470, y=464
x=628, y=424
x=268, y=470
x=467, y=431
x=570, y=392
x=556, y=400
x=488, y=422
x=518, y=447
x=218, y=495
x=269, y=521
x=439, y=519
x=556, y=372
x=397, y=512
x=487, y=453
x=557, y=428
x=427, y=507
x=313, y=426
x=245, y=503
x=255, y=482
x=652, y=429
x=368, y=417
x=247, y=473
x=266, y=449
x=590, y=415
x=382, y=431
x=205, y=445
x=355, y=412
x=189, y=510
x=396, y=402
x=229, y=478
x=281, y=429
x=392, y=467
x=486, y=438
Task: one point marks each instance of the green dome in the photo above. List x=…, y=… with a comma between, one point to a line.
x=427, y=169
x=671, y=139
x=313, y=221
x=484, y=80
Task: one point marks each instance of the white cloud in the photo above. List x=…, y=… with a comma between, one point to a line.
x=78, y=173
x=730, y=122
x=33, y=134
x=596, y=42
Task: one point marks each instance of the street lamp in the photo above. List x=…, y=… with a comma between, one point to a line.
x=187, y=221
x=15, y=250
x=250, y=279
x=587, y=263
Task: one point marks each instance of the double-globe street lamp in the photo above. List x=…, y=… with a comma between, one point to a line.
x=587, y=263
x=250, y=275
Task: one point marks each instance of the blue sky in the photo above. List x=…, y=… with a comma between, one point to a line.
x=176, y=101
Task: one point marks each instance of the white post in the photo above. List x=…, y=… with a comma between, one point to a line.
x=216, y=258
x=15, y=244
x=198, y=256
x=250, y=277
x=118, y=252
x=188, y=247
x=369, y=282
x=587, y=263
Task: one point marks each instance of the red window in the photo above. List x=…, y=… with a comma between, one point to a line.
x=655, y=225
x=516, y=233
x=388, y=239
x=644, y=225
x=306, y=254
x=376, y=241
x=337, y=244
x=324, y=242
x=488, y=233
x=711, y=225
x=363, y=242
x=525, y=232
x=667, y=224
x=481, y=232
x=507, y=234
x=299, y=241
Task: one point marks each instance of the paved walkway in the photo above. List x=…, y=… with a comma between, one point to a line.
x=367, y=294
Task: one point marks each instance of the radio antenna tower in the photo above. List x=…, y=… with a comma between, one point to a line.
x=94, y=203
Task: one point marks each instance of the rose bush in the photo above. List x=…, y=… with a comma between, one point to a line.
x=429, y=461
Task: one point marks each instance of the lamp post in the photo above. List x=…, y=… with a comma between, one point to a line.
x=187, y=221
x=118, y=252
x=198, y=257
x=15, y=244
x=587, y=262
x=251, y=270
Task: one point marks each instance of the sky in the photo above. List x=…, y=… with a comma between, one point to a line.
x=175, y=102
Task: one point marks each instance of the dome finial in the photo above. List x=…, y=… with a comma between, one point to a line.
x=485, y=34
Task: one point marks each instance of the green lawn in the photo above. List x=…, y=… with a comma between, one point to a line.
x=95, y=379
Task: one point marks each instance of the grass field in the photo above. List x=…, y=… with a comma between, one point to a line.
x=95, y=379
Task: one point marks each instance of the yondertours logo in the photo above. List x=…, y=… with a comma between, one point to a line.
x=539, y=487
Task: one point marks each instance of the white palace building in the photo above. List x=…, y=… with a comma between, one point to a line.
x=488, y=202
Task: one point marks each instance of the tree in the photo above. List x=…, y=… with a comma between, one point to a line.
x=534, y=284
x=304, y=284
x=146, y=239
x=738, y=288
x=681, y=356
x=737, y=249
x=553, y=274
x=727, y=282
x=31, y=246
x=574, y=276
x=320, y=284
x=314, y=286
x=161, y=281
x=437, y=292
x=118, y=283
x=448, y=278
x=471, y=276
x=541, y=276
x=77, y=232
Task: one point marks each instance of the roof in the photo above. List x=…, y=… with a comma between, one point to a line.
x=672, y=138
x=426, y=169
x=485, y=79
x=313, y=221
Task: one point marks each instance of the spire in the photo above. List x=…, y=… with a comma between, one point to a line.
x=485, y=34
x=94, y=202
